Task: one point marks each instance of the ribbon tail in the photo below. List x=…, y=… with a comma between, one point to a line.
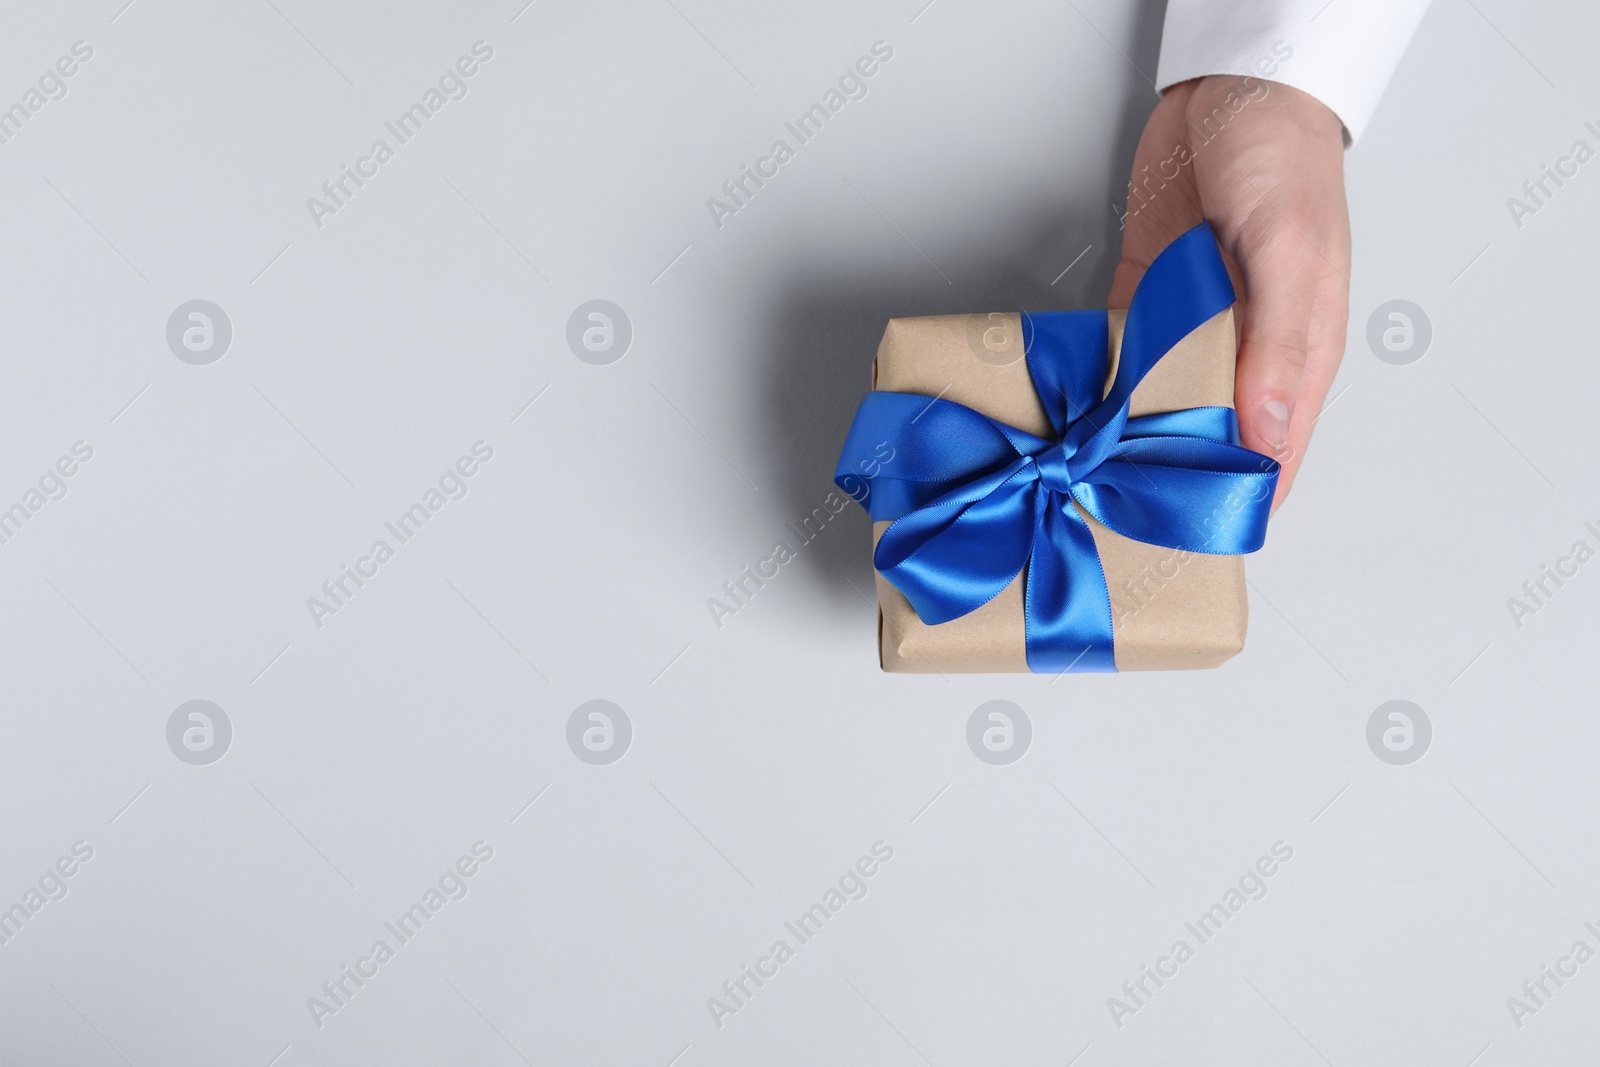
x=1184, y=287
x=1067, y=606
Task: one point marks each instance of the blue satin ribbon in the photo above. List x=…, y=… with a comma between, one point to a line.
x=975, y=501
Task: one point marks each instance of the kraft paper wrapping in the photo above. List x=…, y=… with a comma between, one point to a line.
x=1171, y=610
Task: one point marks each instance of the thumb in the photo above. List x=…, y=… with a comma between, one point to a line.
x=1283, y=274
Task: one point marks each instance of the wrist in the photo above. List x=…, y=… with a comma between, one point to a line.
x=1213, y=103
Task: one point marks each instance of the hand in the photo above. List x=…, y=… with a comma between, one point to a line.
x=1265, y=163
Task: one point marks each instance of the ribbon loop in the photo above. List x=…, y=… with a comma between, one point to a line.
x=975, y=503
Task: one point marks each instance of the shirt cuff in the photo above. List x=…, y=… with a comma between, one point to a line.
x=1342, y=52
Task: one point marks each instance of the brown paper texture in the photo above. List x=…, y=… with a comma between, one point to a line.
x=1171, y=610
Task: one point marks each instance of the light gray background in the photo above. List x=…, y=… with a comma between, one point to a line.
x=770, y=753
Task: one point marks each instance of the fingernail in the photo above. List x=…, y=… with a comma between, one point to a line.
x=1272, y=424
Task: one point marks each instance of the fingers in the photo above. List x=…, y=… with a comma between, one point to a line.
x=1125, y=281
x=1296, y=294
x=1162, y=199
x=1281, y=277
x=1265, y=163
x=1327, y=337
x=1273, y=184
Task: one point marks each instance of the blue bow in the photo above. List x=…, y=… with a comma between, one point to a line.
x=976, y=501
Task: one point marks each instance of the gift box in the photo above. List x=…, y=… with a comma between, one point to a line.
x=1063, y=492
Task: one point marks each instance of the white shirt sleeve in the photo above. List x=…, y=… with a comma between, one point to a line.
x=1342, y=52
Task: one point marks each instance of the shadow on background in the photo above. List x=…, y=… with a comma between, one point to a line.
x=826, y=324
